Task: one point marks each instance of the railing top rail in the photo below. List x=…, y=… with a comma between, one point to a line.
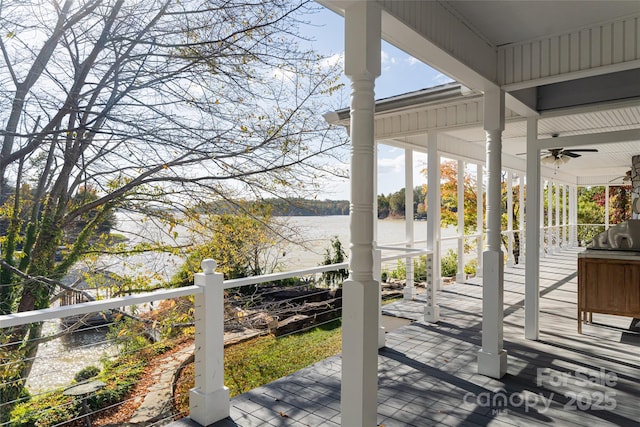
x=399, y=248
x=406, y=252
x=457, y=237
x=395, y=245
x=25, y=317
x=22, y=318
x=254, y=280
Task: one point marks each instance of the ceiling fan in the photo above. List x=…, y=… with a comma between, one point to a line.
x=560, y=156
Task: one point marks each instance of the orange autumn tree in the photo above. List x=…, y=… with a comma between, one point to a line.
x=449, y=196
x=515, y=215
x=449, y=202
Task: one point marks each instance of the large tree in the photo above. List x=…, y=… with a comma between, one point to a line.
x=154, y=105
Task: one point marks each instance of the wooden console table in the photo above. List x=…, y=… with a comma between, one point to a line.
x=608, y=283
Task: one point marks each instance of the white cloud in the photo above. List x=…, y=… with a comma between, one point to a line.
x=387, y=61
x=391, y=164
x=282, y=74
x=412, y=61
x=333, y=60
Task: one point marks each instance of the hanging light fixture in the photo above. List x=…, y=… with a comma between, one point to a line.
x=556, y=160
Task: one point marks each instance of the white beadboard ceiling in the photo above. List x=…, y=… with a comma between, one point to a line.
x=611, y=161
x=528, y=20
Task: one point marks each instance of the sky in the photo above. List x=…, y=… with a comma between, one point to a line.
x=401, y=73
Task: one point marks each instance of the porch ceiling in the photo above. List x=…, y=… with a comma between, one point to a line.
x=607, y=166
x=610, y=162
x=575, y=65
x=405, y=120
x=508, y=22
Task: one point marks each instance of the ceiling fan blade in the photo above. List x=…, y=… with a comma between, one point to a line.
x=551, y=153
x=555, y=152
x=571, y=154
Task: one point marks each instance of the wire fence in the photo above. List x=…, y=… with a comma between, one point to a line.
x=126, y=353
x=66, y=360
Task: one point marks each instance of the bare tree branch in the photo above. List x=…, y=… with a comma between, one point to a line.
x=155, y=107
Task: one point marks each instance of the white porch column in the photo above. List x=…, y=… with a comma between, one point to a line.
x=570, y=223
x=558, y=224
x=480, y=216
x=573, y=216
x=510, y=219
x=375, y=194
x=550, y=242
x=492, y=358
x=534, y=221
x=360, y=292
x=565, y=215
x=409, y=289
x=432, y=314
x=377, y=253
x=563, y=232
x=460, y=277
x=377, y=276
x=606, y=207
x=521, y=204
x=543, y=233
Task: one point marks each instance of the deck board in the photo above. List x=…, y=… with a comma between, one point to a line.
x=427, y=372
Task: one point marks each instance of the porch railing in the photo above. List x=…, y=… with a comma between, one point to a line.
x=552, y=239
x=209, y=399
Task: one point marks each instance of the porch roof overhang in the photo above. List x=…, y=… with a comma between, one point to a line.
x=455, y=113
x=576, y=69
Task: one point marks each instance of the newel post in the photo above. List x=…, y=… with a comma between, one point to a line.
x=209, y=399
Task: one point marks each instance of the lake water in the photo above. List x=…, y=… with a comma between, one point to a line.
x=315, y=233
x=319, y=230
x=60, y=359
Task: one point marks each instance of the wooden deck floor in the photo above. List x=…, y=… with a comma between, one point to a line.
x=427, y=372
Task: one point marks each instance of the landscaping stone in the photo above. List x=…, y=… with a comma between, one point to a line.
x=158, y=402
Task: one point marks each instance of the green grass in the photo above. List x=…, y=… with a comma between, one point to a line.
x=261, y=360
x=253, y=363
